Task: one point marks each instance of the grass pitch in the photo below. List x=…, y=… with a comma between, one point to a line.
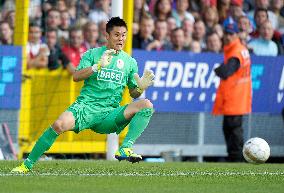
x=123, y=177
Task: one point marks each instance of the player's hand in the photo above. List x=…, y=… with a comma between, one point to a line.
x=106, y=57
x=146, y=80
x=104, y=61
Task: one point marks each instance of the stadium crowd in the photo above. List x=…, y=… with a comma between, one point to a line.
x=60, y=31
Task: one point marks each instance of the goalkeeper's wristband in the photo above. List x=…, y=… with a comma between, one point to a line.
x=95, y=68
x=139, y=90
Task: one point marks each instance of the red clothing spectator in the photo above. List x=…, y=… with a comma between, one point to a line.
x=75, y=49
x=74, y=54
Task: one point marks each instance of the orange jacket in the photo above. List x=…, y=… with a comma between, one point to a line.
x=234, y=95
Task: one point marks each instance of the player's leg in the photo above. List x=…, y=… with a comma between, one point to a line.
x=139, y=112
x=65, y=122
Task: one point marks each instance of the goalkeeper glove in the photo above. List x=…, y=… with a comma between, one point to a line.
x=104, y=60
x=145, y=81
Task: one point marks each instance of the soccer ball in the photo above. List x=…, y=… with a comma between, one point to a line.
x=256, y=150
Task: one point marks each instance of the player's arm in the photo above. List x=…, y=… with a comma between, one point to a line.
x=82, y=74
x=142, y=83
x=86, y=60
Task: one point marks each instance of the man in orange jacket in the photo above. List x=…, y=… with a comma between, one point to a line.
x=234, y=95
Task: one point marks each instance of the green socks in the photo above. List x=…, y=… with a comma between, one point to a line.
x=43, y=144
x=136, y=126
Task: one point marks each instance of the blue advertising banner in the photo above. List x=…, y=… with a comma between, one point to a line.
x=186, y=82
x=10, y=77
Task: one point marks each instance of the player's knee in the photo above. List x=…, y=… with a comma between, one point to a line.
x=146, y=103
x=58, y=126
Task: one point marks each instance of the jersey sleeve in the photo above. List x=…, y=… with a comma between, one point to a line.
x=86, y=60
x=134, y=69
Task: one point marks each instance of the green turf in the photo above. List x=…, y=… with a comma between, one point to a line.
x=123, y=177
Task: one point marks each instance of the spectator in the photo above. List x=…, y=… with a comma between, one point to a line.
x=71, y=7
x=56, y=57
x=219, y=30
x=199, y=32
x=223, y=9
x=244, y=24
x=245, y=28
x=10, y=18
x=177, y=39
x=160, y=33
x=234, y=94
x=261, y=16
x=135, y=28
x=235, y=12
x=37, y=52
x=195, y=47
x=91, y=35
x=84, y=7
x=61, y=5
x=75, y=50
x=277, y=8
x=7, y=6
x=264, y=46
x=102, y=33
x=140, y=8
x=53, y=19
x=6, y=33
x=35, y=12
x=213, y=43
x=63, y=31
x=101, y=12
x=151, y=5
x=144, y=37
x=187, y=26
x=210, y=18
x=264, y=4
x=171, y=22
x=200, y=6
x=46, y=6
x=81, y=21
x=162, y=9
x=181, y=13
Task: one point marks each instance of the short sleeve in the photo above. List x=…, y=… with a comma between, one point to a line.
x=134, y=69
x=86, y=60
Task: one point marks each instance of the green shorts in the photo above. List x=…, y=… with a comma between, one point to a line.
x=103, y=122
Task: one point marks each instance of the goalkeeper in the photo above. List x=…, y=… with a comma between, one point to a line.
x=106, y=71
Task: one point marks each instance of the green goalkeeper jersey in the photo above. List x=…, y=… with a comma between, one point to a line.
x=103, y=89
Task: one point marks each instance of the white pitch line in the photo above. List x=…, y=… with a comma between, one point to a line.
x=153, y=174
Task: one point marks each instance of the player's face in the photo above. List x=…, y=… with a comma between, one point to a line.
x=116, y=38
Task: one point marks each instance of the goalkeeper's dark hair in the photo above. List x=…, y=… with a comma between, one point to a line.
x=115, y=22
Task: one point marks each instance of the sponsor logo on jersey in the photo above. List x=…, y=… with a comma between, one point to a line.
x=119, y=64
x=110, y=75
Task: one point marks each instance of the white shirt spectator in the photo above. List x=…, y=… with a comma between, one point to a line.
x=34, y=49
x=98, y=15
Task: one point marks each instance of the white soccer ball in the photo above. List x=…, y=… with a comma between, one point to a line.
x=256, y=150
